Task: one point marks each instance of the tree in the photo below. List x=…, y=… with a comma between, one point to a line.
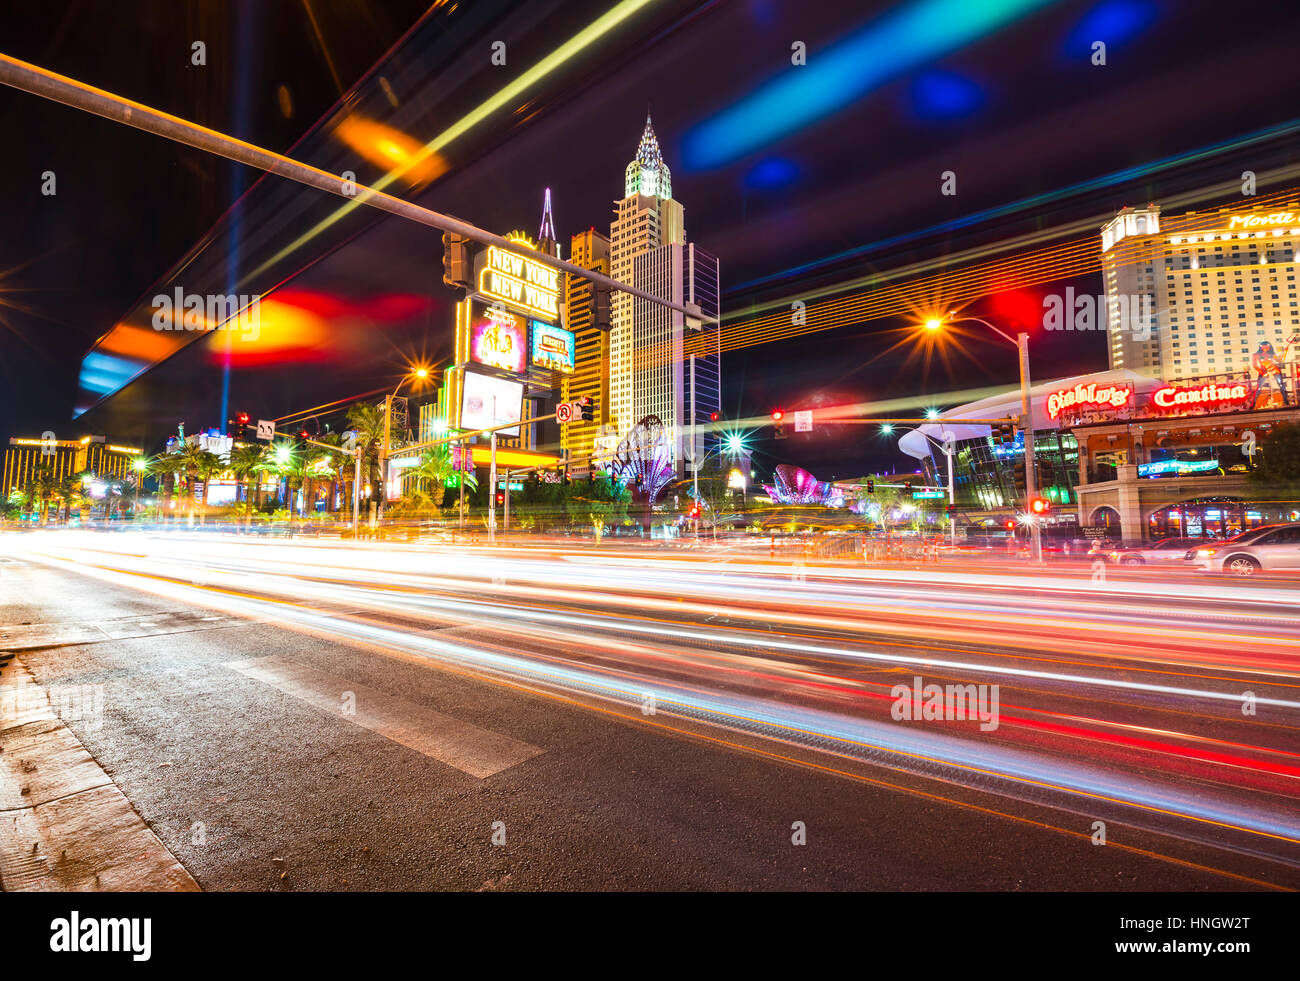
x=165, y=466
x=247, y=461
x=1277, y=463
x=45, y=485
x=368, y=422
x=199, y=464
x=596, y=503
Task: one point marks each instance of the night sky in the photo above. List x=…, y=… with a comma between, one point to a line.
x=834, y=179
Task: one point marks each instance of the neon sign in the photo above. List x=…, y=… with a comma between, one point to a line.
x=1177, y=467
x=521, y=283
x=1255, y=221
x=1173, y=396
x=553, y=348
x=1099, y=396
x=498, y=339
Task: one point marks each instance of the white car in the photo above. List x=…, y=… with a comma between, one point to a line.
x=1167, y=551
x=1267, y=547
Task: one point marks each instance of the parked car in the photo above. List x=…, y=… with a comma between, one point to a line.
x=1167, y=551
x=1267, y=547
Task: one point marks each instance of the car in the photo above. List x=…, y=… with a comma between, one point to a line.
x=1267, y=547
x=1166, y=551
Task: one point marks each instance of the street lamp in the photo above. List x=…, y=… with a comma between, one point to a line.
x=419, y=374
x=1021, y=342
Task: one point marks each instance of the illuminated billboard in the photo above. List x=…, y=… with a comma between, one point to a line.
x=498, y=338
x=521, y=283
x=488, y=401
x=553, y=347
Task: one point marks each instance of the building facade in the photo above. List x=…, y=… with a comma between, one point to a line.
x=591, y=369
x=91, y=456
x=645, y=219
x=1119, y=455
x=682, y=390
x=1215, y=287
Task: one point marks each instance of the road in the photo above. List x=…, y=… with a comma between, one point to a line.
x=326, y=715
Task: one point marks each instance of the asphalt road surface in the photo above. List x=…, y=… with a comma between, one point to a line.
x=317, y=715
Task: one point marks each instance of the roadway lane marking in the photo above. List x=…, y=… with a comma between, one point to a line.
x=470, y=749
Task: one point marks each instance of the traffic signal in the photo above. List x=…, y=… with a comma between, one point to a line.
x=778, y=424
x=1040, y=505
x=242, y=418
x=1011, y=525
x=907, y=486
x=601, y=307
x=950, y=509
x=1004, y=432
x=587, y=410
x=304, y=434
x=713, y=417
x=695, y=511
x=871, y=486
x=455, y=260
x=501, y=498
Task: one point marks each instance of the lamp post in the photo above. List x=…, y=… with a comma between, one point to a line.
x=1021, y=342
x=420, y=373
x=139, y=465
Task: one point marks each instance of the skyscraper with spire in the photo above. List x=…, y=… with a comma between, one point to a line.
x=650, y=371
x=646, y=218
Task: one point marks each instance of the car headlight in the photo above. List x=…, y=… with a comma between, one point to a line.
x=1205, y=553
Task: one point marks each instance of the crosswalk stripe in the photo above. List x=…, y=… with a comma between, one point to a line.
x=473, y=750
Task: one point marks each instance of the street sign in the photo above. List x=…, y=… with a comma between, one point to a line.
x=803, y=421
x=266, y=429
x=928, y=495
x=568, y=412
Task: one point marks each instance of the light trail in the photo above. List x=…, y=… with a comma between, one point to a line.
x=1115, y=734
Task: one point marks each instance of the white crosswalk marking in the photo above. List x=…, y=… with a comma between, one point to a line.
x=470, y=749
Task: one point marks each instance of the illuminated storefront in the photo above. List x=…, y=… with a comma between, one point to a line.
x=1133, y=457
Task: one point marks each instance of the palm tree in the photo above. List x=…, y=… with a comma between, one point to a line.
x=293, y=468
x=45, y=485
x=72, y=491
x=247, y=461
x=199, y=464
x=368, y=422
x=432, y=473
x=165, y=466
x=337, y=465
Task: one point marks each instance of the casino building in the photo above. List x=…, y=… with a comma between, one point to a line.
x=1217, y=285
x=1119, y=454
x=92, y=456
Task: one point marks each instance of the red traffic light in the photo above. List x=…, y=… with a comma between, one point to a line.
x=777, y=415
x=713, y=417
x=501, y=497
x=1011, y=525
x=1040, y=505
x=242, y=418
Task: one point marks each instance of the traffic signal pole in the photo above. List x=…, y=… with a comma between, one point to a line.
x=39, y=81
x=1031, y=475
